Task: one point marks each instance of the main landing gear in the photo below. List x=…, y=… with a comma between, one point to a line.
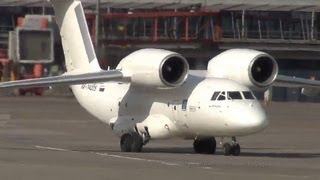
x=233, y=148
x=205, y=145
x=133, y=142
x=208, y=146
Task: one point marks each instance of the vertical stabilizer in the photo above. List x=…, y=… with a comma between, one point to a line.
x=76, y=41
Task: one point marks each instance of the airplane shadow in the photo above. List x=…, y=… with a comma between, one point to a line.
x=175, y=150
x=275, y=153
x=283, y=155
x=178, y=150
x=246, y=152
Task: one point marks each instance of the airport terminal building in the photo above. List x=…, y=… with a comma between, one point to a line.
x=199, y=29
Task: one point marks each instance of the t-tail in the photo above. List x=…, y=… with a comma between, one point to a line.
x=76, y=40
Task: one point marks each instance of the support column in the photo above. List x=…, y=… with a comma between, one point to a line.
x=218, y=29
x=155, y=30
x=259, y=26
x=281, y=29
x=187, y=29
x=243, y=24
x=268, y=96
x=233, y=26
x=175, y=26
x=312, y=25
x=302, y=27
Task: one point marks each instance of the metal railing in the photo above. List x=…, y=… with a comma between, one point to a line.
x=272, y=35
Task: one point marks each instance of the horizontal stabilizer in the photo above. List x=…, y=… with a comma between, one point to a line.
x=66, y=79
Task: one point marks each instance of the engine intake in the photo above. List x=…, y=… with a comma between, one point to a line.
x=255, y=69
x=173, y=70
x=155, y=67
x=264, y=70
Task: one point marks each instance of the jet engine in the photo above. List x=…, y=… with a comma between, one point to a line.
x=155, y=67
x=255, y=69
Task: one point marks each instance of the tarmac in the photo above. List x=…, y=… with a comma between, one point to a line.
x=54, y=138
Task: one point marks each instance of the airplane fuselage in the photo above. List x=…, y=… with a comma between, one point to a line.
x=152, y=94
x=187, y=111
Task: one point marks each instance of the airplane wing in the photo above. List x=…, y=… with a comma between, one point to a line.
x=66, y=79
x=291, y=81
x=310, y=87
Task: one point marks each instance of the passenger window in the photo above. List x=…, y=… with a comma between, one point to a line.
x=215, y=95
x=234, y=95
x=248, y=95
x=222, y=96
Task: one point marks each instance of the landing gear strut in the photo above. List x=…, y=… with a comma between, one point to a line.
x=233, y=148
x=132, y=142
x=205, y=145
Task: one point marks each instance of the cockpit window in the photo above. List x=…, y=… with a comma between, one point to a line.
x=215, y=95
x=248, y=95
x=234, y=95
x=222, y=96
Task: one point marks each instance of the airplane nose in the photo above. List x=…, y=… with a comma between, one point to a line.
x=249, y=120
x=258, y=121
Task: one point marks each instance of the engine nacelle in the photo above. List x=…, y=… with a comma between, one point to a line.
x=155, y=67
x=255, y=69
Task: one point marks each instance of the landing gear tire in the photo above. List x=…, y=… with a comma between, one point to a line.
x=137, y=143
x=131, y=143
x=236, y=150
x=231, y=149
x=126, y=142
x=227, y=149
x=205, y=145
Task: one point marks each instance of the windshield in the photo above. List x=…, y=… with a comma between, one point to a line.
x=232, y=95
x=222, y=96
x=218, y=96
x=248, y=95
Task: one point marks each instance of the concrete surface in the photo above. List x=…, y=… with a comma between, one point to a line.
x=54, y=138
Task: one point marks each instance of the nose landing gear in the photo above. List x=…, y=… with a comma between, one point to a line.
x=233, y=148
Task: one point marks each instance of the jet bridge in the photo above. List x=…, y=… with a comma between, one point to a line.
x=32, y=41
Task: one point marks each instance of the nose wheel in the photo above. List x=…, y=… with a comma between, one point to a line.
x=231, y=149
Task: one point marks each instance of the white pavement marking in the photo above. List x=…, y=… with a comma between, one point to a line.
x=4, y=118
x=139, y=159
x=195, y=164
x=110, y=155
x=53, y=148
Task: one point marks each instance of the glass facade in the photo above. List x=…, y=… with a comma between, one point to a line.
x=271, y=25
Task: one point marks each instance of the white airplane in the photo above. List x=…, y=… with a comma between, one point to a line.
x=152, y=94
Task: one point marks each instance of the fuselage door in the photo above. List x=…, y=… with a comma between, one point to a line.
x=179, y=111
